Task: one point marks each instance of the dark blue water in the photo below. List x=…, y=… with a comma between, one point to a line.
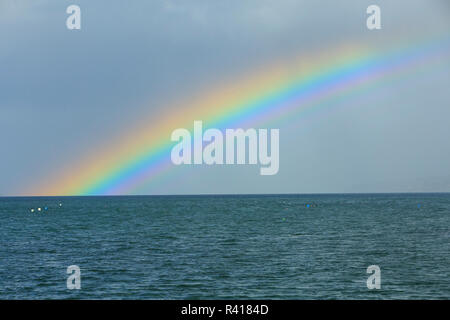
x=278, y=247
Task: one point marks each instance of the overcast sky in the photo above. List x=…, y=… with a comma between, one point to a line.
x=65, y=93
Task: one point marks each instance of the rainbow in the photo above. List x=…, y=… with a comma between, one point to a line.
x=290, y=85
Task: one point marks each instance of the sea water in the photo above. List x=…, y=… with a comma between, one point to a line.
x=226, y=247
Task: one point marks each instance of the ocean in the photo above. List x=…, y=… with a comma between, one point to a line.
x=226, y=247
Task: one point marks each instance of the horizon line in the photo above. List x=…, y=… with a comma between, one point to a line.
x=232, y=194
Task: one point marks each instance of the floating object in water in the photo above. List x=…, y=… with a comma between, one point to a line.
x=60, y=204
x=32, y=210
x=39, y=209
x=307, y=205
x=45, y=208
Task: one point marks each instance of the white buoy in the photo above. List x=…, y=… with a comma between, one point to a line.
x=39, y=209
x=32, y=210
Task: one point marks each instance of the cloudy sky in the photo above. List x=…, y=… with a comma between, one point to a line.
x=65, y=93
